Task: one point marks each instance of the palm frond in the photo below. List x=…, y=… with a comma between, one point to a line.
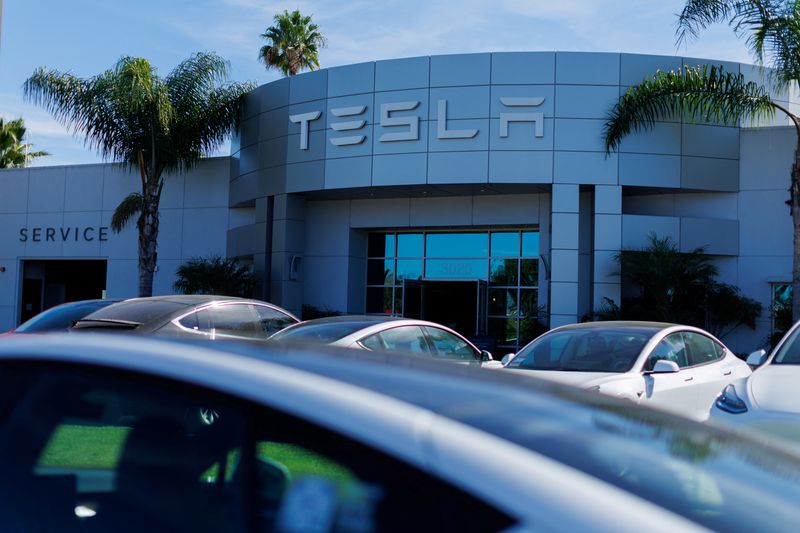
x=127, y=209
x=706, y=94
x=293, y=43
x=190, y=82
x=771, y=29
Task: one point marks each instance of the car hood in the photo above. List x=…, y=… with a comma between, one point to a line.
x=774, y=387
x=578, y=379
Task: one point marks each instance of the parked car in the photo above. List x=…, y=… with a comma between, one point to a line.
x=677, y=368
x=388, y=334
x=768, y=401
x=62, y=317
x=94, y=436
x=190, y=316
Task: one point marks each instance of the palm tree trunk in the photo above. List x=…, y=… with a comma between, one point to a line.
x=148, y=240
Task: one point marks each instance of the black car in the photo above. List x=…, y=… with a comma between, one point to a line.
x=190, y=316
x=62, y=317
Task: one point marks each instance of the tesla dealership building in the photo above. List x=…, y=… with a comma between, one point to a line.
x=472, y=190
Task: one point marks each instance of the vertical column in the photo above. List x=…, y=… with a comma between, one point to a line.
x=564, y=254
x=288, y=247
x=607, y=243
x=262, y=258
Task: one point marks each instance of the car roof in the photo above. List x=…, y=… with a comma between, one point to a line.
x=275, y=377
x=152, y=311
x=367, y=320
x=619, y=324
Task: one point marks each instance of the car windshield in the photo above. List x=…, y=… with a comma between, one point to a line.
x=61, y=317
x=318, y=333
x=584, y=350
x=140, y=311
x=789, y=352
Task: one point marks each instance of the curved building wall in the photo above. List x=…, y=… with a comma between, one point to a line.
x=429, y=142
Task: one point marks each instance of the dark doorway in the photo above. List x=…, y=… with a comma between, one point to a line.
x=451, y=303
x=53, y=282
x=457, y=304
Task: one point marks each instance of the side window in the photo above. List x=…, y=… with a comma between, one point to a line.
x=310, y=475
x=95, y=450
x=701, y=348
x=199, y=321
x=448, y=345
x=408, y=339
x=671, y=348
x=235, y=320
x=272, y=320
x=373, y=342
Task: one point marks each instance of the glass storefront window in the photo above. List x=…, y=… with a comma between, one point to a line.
x=409, y=245
x=503, y=302
x=457, y=245
x=530, y=244
x=529, y=273
x=455, y=268
x=409, y=269
x=380, y=245
x=380, y=272
x=781, y=310
x=504, y=331
x=503, y=271
x=379, y=300
x=506, y=260
x=505, y=244
x=529, y=302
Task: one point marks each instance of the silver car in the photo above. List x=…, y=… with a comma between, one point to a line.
x=388, y=334
x=97, y=434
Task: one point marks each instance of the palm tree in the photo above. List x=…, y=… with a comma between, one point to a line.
x=671, y=282
x=293, y=44
x=13, y=152
x=771, y=29
x=156, y=125
x=215, y=275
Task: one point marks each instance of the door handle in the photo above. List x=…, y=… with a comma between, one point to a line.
x=689, y=379
x=728, y=373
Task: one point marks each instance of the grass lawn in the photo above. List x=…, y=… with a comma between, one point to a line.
x=74, y=446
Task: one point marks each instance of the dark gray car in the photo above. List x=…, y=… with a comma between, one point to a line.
x=190, y=316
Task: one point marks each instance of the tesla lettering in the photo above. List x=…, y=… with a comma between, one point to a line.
x=348, y=125
x=406, y=127
x=536, y=118
x=303, y=119
x=412, y=123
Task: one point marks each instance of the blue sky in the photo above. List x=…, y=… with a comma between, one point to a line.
x=88, y=36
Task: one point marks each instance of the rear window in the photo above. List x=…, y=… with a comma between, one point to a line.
x=140, y=311
x=61, y=317
x=319, y=333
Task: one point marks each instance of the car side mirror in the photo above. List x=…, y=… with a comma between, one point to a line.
x=664, y=366
x=486, y=356
x=507, y=357
x=757, y=358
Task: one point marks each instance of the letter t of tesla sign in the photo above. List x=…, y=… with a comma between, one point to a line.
x=303, y=119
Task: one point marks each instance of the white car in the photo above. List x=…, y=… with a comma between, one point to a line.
x=676, y=368
x=388, y=334
x=768, y=401
x=101, y=433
